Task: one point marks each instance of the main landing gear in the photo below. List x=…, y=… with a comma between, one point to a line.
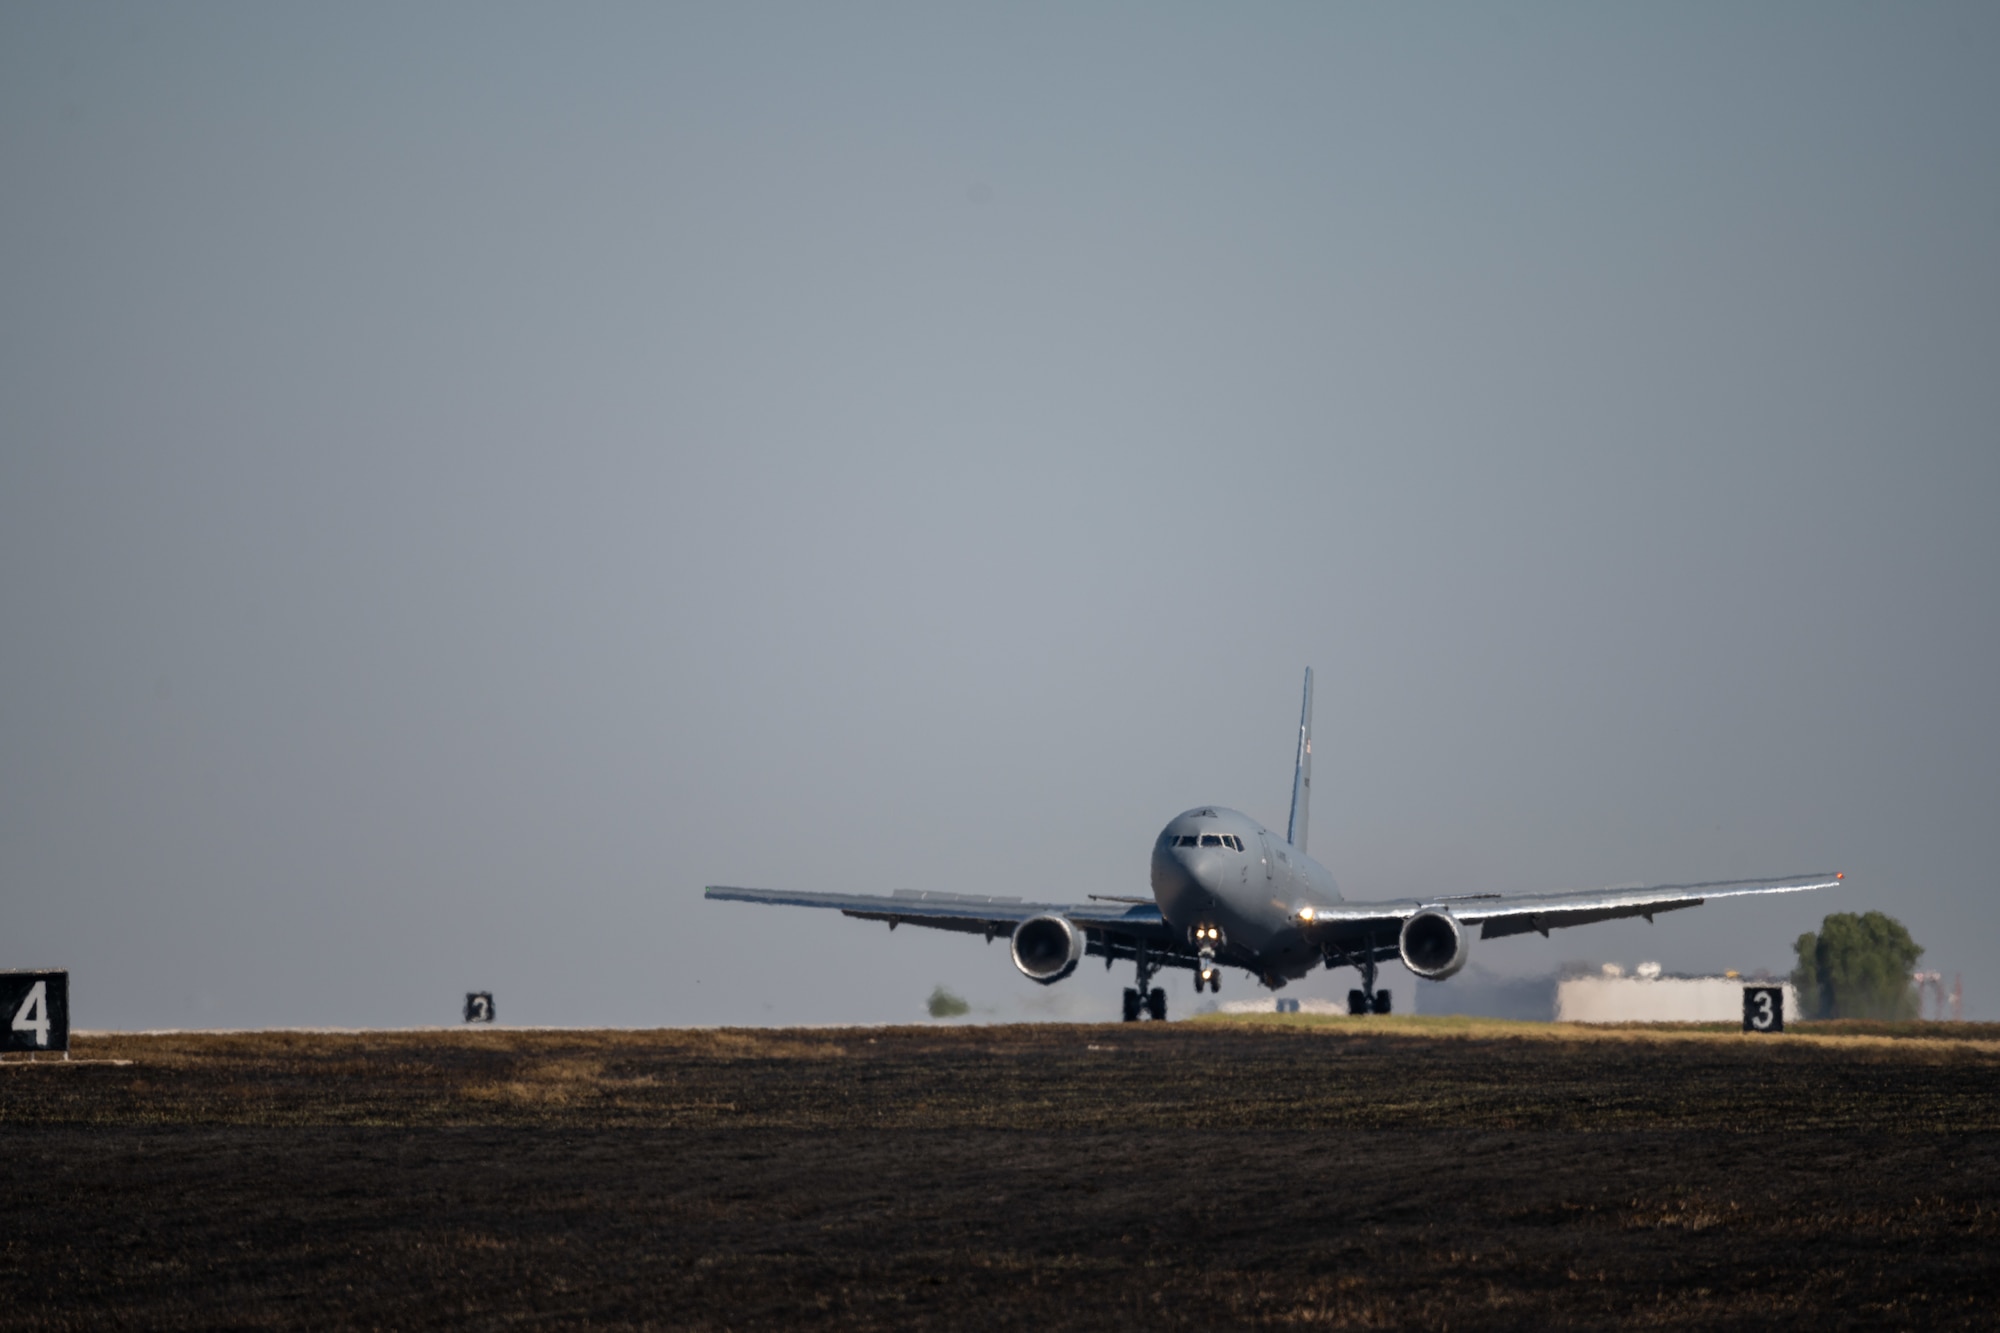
x=1366, y=1000
x=1151, y=1002
x=1358, y=1002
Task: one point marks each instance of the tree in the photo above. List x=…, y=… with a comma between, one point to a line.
x=1857, y=967
x=943, y=1004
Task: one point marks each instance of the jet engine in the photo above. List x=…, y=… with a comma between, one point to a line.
x=1435, y=944
x=1047, y=948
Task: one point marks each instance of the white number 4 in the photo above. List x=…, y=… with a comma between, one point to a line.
x=33, y=1015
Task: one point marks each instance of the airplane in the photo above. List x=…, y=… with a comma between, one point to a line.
x=1229, y=892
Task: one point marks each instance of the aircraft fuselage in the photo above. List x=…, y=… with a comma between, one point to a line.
x=1215, y=866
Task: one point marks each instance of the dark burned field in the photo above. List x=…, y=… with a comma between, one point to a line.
x=1347, y=1172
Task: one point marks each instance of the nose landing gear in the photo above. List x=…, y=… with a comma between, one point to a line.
x=1206, y=937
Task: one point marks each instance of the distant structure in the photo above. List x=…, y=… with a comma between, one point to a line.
x=1272, y=1004
x=1650, y=996
x=1483, y=994
x=1930, y=988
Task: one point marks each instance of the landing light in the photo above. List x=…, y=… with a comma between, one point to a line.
x=1307, y=914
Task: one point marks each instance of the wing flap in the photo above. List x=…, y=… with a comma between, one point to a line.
x=1352, y=925
x=966, y=912
x=1576, y=909
x=987, y=926
x=1522, y=923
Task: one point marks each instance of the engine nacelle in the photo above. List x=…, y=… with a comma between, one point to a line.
x=1435, y=944
x=1047, y=948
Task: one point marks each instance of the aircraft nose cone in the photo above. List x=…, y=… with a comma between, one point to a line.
x=1205, y=870
x=1174, y=879
x=1184, y=881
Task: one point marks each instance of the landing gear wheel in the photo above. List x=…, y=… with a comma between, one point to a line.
x=1365, y=1000
x=1142, y=998
x=1215, y=983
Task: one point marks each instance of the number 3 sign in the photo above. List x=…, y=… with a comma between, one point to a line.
x=1763, y=1008
x=34, y=1011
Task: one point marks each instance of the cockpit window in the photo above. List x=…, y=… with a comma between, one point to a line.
x=1229, y=840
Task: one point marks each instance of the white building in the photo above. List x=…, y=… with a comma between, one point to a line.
x=1647, y=997
x=1282, y=1004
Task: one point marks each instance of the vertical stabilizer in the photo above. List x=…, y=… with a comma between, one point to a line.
x=1302, y=775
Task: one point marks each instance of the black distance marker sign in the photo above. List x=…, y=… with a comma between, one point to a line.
x=34, y=1011
x=1763, y=1008
x=479, y=1006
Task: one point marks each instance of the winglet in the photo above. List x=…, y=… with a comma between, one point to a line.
x=1302, y=774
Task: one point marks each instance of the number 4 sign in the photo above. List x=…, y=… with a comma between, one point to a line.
x=34, y=1011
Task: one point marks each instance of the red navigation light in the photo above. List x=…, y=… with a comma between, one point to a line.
x=1839, y=874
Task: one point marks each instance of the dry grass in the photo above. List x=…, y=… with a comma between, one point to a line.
x=1838, y=1032
x=1292, y=1173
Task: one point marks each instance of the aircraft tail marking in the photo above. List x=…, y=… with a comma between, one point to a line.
x=1302, y=773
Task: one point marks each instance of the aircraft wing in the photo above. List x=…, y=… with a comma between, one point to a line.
x=1124, y=920
x=1357, y=925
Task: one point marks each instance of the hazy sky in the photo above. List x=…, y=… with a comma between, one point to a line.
x=471, y=476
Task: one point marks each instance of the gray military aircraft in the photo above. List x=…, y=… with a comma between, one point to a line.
x=1229, y=892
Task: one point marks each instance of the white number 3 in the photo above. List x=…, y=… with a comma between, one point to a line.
x=1762, y=1018
x=33, y=1015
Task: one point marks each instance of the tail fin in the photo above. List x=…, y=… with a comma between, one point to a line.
x=1302, y=776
